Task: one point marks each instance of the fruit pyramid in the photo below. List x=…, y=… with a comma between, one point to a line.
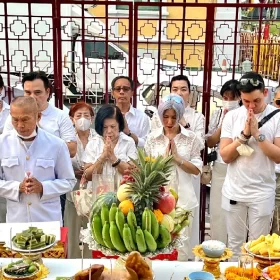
x=143, y=217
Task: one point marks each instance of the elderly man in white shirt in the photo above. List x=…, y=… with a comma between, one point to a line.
x=251, y=152
x=137, y=123
x=36, y=171
x=53, y=120
x=4, y=113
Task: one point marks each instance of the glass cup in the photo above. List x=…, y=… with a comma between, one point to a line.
x=245, y=262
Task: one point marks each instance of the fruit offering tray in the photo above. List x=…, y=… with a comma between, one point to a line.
x=86, y=237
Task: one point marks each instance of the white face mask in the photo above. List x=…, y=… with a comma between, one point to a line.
x=82, y=124
x=230, y=105
x=33, y=134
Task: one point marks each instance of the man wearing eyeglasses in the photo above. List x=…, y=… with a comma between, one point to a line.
x=251, y=153
x=276, y=215
x=137, y=124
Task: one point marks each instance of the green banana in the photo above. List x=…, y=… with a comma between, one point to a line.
x=127, y=238
x=177, y=228
x=140, y=240
x=164, y=237
x=116, y=238
x=120, y=221
x=106, y=236
x=150, y=241
x=112, y=212
x=146, y=220
x=97, y=229
x=154, y=225
x=132, y=223
x=104, y=214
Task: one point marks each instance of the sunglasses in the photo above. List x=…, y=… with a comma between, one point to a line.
x=253, y=82
x=124, y=89
x=277, y=101
x=176, y=99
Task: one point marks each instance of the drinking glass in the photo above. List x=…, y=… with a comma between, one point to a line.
x=245, y=261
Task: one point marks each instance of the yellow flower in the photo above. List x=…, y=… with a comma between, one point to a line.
x=150, y=159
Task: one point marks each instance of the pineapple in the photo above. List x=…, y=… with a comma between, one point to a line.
x=149, y=176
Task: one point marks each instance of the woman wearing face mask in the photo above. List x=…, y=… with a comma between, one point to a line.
x=184, y=145
x=82, y=116
x=231, y=100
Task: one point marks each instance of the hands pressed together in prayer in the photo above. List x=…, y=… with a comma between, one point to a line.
x=251, y=125
x=30, y=185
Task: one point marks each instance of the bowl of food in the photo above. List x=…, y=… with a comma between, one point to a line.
x=201, y=275
x=22, y=269
x=213, y=248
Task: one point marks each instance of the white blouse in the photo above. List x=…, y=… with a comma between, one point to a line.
x=188, y=147
x=124, y=150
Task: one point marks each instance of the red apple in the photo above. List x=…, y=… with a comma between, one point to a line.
x=167, y=203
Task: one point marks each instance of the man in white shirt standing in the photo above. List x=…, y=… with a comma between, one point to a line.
x=137, y=124
x=192, y=119
x=251, y=153
x=36, y=170
x=53, y=120
x=4, y=113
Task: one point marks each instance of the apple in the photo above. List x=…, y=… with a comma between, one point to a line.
x=166, y=203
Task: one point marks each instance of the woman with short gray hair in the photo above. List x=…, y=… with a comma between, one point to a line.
x=174, y=139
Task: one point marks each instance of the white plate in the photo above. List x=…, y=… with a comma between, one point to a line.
x=264, y=273
x=21, y=276
x=259, y=256
x=15, y=248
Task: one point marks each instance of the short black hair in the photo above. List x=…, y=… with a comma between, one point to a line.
x=1, y=82
x=108, y=111
x=31, y=76
x=249, y=87
x=180, y=78
x=122, y=77
x=232, y=86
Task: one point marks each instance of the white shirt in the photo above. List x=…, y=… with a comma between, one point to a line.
x=195, y=119
x=214, y=124
x=124, y=150
x=188, y=147
x=250, y=178
x=54, y=121
x=77, y=160
x=4, y=115
x=277, y=168
x=139, y=124
x=48, y=161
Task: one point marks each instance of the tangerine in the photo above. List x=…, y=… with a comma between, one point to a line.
x=125, y=206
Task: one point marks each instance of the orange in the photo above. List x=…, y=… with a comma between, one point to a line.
x=125, y=206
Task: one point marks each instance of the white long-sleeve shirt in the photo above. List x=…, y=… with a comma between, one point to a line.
x=5, y=112
x=54, y=121
x=195, y=119
x=139, y=124
x=47, y=159
x=188, y=147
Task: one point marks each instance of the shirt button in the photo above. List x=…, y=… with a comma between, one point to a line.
x=27, y=157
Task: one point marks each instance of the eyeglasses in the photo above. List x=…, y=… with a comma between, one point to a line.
x=175, y=98
x=124, y=89
x=253, y=82
x=277, y=101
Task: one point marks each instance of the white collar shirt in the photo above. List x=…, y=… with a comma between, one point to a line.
x=124, y=150
x=47, y=159
x=138, y=123
x=5, y=112
x=54, y=121
x=188, y=147
x=195, y=120
x=250, y=178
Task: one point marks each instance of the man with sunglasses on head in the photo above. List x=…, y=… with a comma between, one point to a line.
x=276, y=215
x=251, y=151
x=137, y=124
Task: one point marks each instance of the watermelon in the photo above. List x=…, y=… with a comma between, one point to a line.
x=107, y=199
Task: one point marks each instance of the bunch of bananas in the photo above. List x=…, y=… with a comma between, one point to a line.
x=181, y=220
x=115, y=231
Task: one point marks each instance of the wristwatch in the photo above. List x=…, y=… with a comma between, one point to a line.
x=260, y=138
